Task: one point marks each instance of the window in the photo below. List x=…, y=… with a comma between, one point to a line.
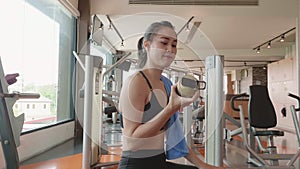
x=38, y=44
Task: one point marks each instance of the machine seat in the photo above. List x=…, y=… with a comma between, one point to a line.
x=110, y=109
x=268, y=133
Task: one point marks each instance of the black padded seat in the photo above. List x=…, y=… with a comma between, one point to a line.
x=110, y=109
x=201, y=116
x=261, y=112
x=268, y=133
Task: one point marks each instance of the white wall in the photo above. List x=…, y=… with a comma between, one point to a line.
x=282, y=80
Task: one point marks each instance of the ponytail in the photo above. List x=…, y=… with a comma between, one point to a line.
x=142, y=55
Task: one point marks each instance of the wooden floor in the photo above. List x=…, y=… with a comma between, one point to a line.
x=75, y=161
x=69, y=162
x=287, y=144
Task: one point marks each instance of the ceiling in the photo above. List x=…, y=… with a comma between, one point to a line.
x=229, y=30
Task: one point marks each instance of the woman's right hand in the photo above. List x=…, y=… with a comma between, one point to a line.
x=177, y=102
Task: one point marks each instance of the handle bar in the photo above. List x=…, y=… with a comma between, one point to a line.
x=295, y=97
x=234, y=98
x=203, y=86
x=21, y=95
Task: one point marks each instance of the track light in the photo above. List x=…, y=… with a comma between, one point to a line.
x=258, y=50
x=282, y=38
x=116, y=30
x=186, y=26
x=109, y=27
x=101, y=26
x=268, y=43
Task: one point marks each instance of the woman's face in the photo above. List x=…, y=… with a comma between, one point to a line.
x=162, y=49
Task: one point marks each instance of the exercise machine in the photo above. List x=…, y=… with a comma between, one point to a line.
x=92, y=93
x=261, y=117
x=214, y=101
x=10, y=126
x=198, y=127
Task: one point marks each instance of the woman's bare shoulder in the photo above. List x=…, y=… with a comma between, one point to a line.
x=134, y=93
x=135, y=82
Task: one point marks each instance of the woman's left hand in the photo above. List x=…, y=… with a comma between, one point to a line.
x=177, y=102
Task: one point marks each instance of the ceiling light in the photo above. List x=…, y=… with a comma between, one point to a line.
x=101, y=26
x=258, y=50
x=269, y=45
x=116, y=30
x=187, y=28
x=282, y=38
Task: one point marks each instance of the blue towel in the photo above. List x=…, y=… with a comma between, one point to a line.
x=176, y=145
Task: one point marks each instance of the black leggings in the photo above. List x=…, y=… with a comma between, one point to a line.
x=153, y=162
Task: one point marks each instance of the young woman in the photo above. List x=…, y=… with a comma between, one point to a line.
x=146, y=107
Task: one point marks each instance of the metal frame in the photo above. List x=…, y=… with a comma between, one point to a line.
x=92, y=122
x=6, y=132
x=214, y=145
x=10, y=126
x=260, y=159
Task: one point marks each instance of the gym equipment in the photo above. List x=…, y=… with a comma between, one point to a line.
x=93, y=96
x=296, y=125
x=214, y=104
x=188, y=85
x=197, y=127
x=10, y=126
x=261, y=117
x=229, y=134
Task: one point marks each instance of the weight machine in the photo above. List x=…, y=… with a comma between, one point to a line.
x=267, y=118
x=10, y=126
x=92, y=92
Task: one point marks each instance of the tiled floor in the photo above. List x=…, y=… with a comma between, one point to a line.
x=236, y=156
